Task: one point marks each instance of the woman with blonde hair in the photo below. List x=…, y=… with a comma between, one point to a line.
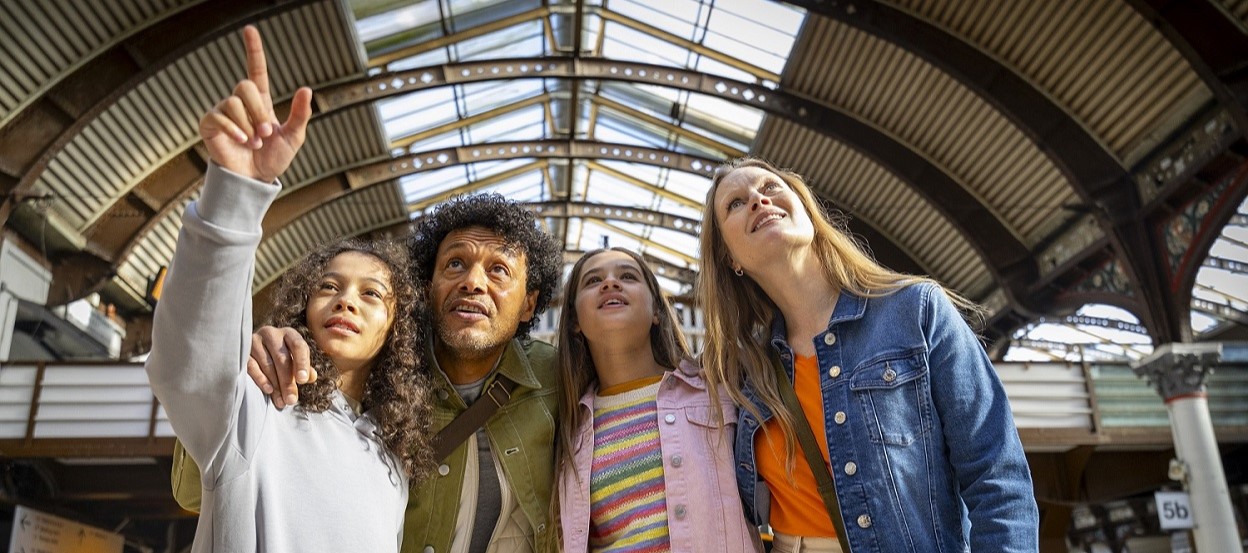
x=875, y=370
x=644, y=455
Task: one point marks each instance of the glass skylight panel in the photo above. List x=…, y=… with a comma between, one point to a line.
x=525, y=187
x=738, y=32
x=1202, y=323
x=430, y=58
x=606, y=189
x=678, y=209
x=736, y=119
x=612, y=129
x=486, y=10
x=592, y=232
x=665, y=256
x=396, y=21
x=695, y=148
x=676, y=16
x=453, y=138
x=524, y=40
x=674, y=239
x=627, y=44
x=524, y=124
x=485, y=96
x=417, y=111
x=640, y=171
x=430, y=183
x=689, y=185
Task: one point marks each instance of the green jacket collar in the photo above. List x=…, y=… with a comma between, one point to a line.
x=513, y=363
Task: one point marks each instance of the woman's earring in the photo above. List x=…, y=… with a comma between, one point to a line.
x=737, y=271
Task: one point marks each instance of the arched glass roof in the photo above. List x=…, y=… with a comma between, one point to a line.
x=744, y=40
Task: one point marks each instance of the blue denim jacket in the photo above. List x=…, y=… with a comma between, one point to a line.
x=926, y=456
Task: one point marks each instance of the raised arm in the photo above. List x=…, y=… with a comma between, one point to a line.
x=201, y=333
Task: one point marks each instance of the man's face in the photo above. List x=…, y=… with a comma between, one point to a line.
x=479, y=293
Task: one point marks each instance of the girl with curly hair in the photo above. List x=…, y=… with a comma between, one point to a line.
x=644, y=456
x=332, y=473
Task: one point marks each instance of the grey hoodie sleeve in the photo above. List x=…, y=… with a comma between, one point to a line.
x=201, y=333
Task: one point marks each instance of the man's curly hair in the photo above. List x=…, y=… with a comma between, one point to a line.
x=510, y=221
x=397, y=392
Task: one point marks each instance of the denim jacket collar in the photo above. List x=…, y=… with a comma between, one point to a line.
x=849, y=307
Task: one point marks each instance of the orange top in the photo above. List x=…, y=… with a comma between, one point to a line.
x=796, y=507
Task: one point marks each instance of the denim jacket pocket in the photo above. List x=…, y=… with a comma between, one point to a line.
x=895, y=395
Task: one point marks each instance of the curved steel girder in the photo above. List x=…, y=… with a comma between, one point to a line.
x=304, y=199
x=1220, y=311
x=692, y=227
x=1214, y=45
x=1008, y=259
x=83, y=95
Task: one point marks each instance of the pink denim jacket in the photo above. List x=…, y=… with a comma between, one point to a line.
x=704, y=511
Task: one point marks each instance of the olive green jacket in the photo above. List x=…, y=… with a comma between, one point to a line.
x=522, y=437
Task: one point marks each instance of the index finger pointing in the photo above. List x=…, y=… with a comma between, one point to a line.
x=257, y=68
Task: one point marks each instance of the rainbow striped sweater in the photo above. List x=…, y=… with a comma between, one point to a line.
x=628, y=505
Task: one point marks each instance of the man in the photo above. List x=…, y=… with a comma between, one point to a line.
x=488, y=271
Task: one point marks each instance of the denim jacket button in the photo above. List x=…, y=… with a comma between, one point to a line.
x=839, y=417
x=835, y=371
x=679, y=511
x=669, y=418
x=890, y=375
x=829, y=338
x=676, y=460
x=851, y=468
x=864, y=521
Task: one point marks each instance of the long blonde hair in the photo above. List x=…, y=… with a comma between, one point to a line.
x=739, y=313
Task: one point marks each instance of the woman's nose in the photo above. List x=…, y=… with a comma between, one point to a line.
x=759, y=201
x=345, y=304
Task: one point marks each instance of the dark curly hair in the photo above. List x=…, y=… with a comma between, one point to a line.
x=397, y=392
x=510, y=221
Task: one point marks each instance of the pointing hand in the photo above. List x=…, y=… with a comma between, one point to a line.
x=242, y=133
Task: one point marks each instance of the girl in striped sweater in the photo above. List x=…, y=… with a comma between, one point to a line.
x=645, y=457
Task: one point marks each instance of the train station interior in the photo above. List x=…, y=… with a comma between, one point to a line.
x=1077, y=168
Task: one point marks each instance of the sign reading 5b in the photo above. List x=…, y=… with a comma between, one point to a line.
x=1174, y=510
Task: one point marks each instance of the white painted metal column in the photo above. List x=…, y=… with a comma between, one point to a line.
x=1179, y=371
